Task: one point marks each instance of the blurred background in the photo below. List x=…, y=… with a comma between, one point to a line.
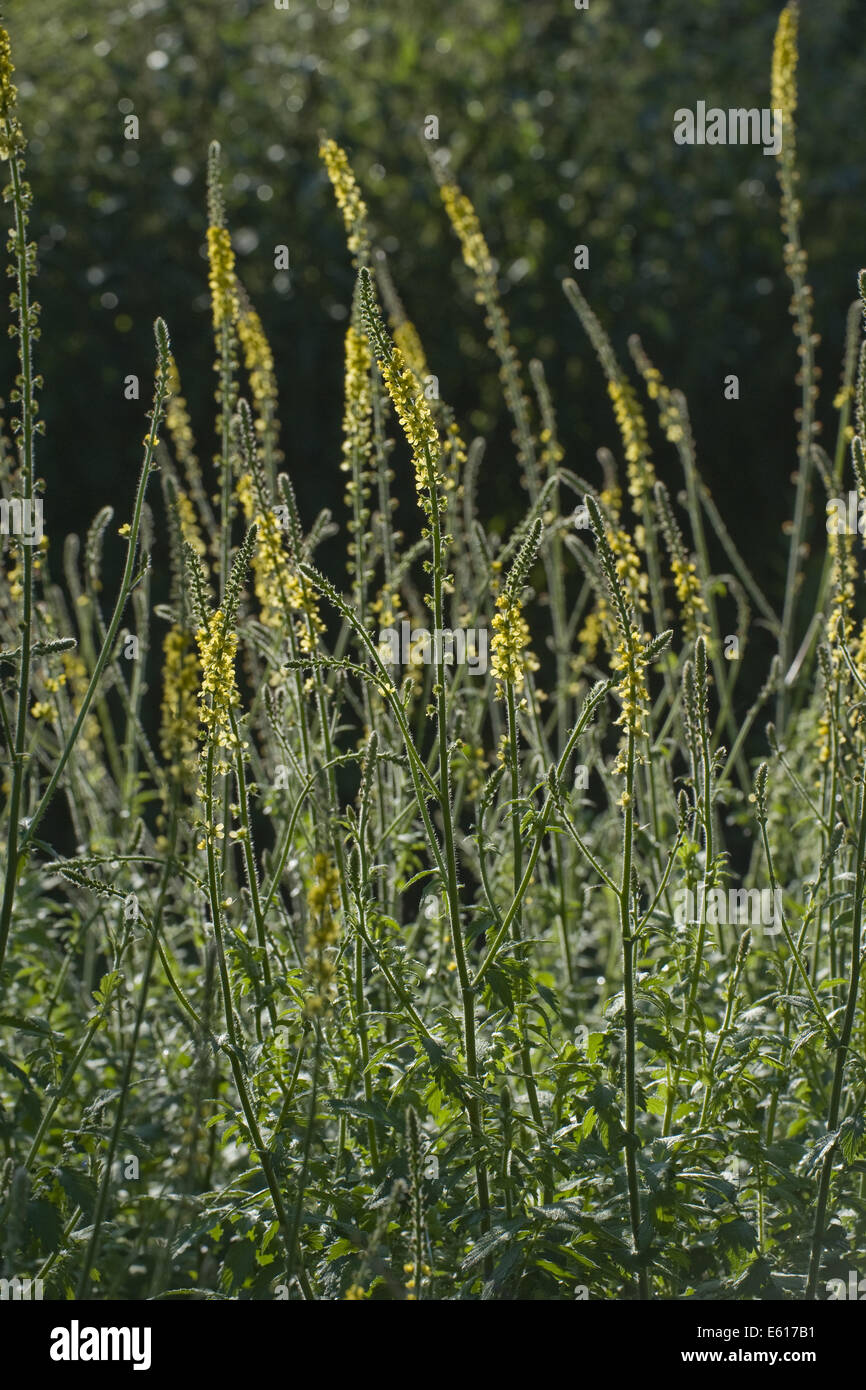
x=559, y=124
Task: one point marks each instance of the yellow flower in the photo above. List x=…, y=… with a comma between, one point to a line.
x=217, y=691
x=413, y=412
x=631, y=690
x=221, y=261
x=407, y=340
x=279, y=590
x=688, y=591
x=357, y=411
x=177, y=422
x=179, y=731
x=783, y=76
x=590, y=634
x=189, y=528
x=259, y=362
x=633, y=431
x=11, y=135
x=322, y=899
x=509, y=658
x=348, y=196
x=628, y=568
x=464, y=220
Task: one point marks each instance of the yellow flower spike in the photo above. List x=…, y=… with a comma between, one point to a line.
x=218, y=691
x=627, y=412
x=631, y=691
x=687, y=585
x=259, y=364
x=221, y=278
x=635, y=438
x=407, y=340
x=358, y=407
x=349, y=199
x=464, y=220
x=414, y=415
x=189, y=527
x=410, y=404
x=280, y=591
x=323, y=898
x=509, y=658
x=783, y=73
x=179, y=726
x=11, y=134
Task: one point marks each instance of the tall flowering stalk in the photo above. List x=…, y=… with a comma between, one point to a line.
x=783, y=96
x=26, y=426
x=416, y=420
x=633, y=433
x=357, y=446
x=349, y=198
x=687, y=585
x=477, y=257
x=224, y=309
x=632, y=658
x=192, y=501
x=217, y=642
x=511, y=661
x=259, y=366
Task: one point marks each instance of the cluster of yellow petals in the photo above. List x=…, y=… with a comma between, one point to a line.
x=221, y=276
x=179, y=726
x=218, y=691
x=783, y=73
x=322, y=900
x=631, y=691
x=348, y=195
x=278, y=587
x=635, y=438
x=413, y=412
x=259, y=363
x=464, y=220
x=510, y=658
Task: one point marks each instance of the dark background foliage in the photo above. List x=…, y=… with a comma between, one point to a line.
x=560, y=127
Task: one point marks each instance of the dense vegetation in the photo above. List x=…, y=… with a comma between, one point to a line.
x=421, y=925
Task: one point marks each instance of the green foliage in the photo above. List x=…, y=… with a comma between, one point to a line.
x=431, y=982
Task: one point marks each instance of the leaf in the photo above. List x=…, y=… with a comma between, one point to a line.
x=819, y=1151
x=808, y=1033
x=851, y=1136
x=498, y=981
x=490, y=1241
x=737, y=1235
x=549, y=998
x=366, y=1110
x=502, y=1270
x=30, y=1025
x=79, y=1187
x=14, y=1070
x=416, y=878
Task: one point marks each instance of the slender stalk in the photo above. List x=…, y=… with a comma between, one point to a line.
x=26, y=316
x=628, y=945
x=842, y=1046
